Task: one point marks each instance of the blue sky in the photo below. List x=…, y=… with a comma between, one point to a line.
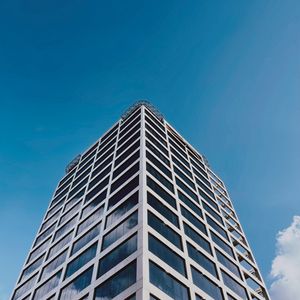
x=225, y=74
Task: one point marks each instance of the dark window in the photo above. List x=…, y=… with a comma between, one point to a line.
x=70, y=213
x=128, y=134
x=78, y=187
x=126, y=164
x=117, y=255
x=157, y=144
x=95, y=216
x=130, y=125
x=59, y=197
x=60, y=245
x=187, y=190
x=123, y=178
x=184, y=178
x=197, y=238
x=100, y=177
x=45, y=234
x=155, y=120
x=25, y=287
x=99, y=199
x=54, y=209
x=35, y=253
x=181, y=166
x=83, y=175
x=205, y=284
x=62, y=230
x=156, y=135
x=50, y=220
x=208, y=199
x=212, y=212
x=174, y=152
x=190, y=204
x=129, y=142
x=85, y=160
x=117, y=283
x=159, y=165
x=81, y=260
x=106, y=147
x=63, y=186
x=199, y=166
x=124, y=191
x=157, y=129
x=166, y=255
x=216, y=227
x=48, y=286
x=162, y=209
x=70, y=291
x=160, y=177
x=54, y=264
x=167, y=232
x=129, y=119
x=228, y=263
x=234, y=285
x=30, y=269
x=161, y=192
x=109, y=132
x=200, y=175
x=202, y=260
x=102, y=162
x=222, y=244
x=86, y=238
x=158, y=153
x=122, y=209
x=182, y=152
x=190, y=217
x=92, y=148
x=167, y=283
x=127, y=153
x=67, y=177
x=120, y=230
x=205, y=188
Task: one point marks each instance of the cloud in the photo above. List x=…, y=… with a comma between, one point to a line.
x=285, y=270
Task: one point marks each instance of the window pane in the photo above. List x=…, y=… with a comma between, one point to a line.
x=234, y=285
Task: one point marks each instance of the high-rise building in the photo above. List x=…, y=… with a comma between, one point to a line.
x=140, y=215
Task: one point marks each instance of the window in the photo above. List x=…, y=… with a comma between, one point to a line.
x=157, y=129
x=30, y=269
x=216, y=227
x=39, y=250
x=129, y=119
x=166, y=255
x=54, y=264
x=200, y=175
x=85, y=159
x=120, y=230
x=162, y=209
x=103, y=148
x=25, y=287
x=184, y=178
x=90, y=150
x=160, y=177
x=128, y=134
x=212, y=212
x=202, y=260
x=71, y=212
x=50, y=220
x=86, y=238
x=205, y=284
x=63, y=242
x=99, y=180
x=167, y=283
x=126, y=164
x=109, y=132
x=74, y=199
x=222, y=244
x=129, y=142
x=190, y=204
x=156, y=135
x=117, y=283
x=78, y=187
x=208, y=199
x=77, y=285
x=117, y=255
x=228, y=263
x=48, y=286
x=190, y=217
x=161, y=192
x=126, y=154
x=103, y=162
x=123, y=192
x=97, y=189
x=163, y=229
x=157, y=144
x=159, y=165
x=96, y=215
x=205, y=188
x=62, y=230
x=158, y=153
x=129, y=173
x=159, y=123
x=182, y=167
x=99, y=199
x=197, y=238
x=86, y=173
x=45, y=234
x=234, y=285
x=187, y=190
x=174, y=152
x=81, y=260
x=54, y=209
x=122, y=209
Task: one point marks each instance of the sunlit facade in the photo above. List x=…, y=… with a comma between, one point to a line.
x=140, y=215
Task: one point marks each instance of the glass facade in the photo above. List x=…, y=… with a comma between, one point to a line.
x=140, y=215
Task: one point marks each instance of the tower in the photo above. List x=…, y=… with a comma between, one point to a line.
x=140, y=215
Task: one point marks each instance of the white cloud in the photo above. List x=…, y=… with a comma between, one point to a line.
x=286, y=265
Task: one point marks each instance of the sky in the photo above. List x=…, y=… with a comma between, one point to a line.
x=225, y=74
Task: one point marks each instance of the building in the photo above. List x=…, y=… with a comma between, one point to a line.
x=140, y=215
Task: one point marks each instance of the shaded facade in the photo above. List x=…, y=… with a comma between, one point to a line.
x=140, y=215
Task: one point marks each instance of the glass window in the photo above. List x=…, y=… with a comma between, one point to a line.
x=157, y=129
x=90, y=150
x=187, y=190
x=25, y=287
x=182, y=167
x=222, y=244
x=30, y=269
x=129, y=119
x=208, y=199
x=212, y=212
x=50, y=220
x=129, y=142
x=202, y=260
x=167, y=283
x=78, y=187
x=126, y=164
x=54, y=264
x=161, y=192
x=63, y=242
x=97, y=189
x=106, y=135
x=103, y=148
x=184, y=178
x=99, y=180
x=117, y=255
x=234, y=285
x=174, y=152
x=122, y=209
x=162, y=209
x=158, y=153
x=160, y=177
x=74, y=199
x=102, y=163
x=45, y=234
x=197, y=238
x=71, y=212
x=81, y=260
x=95, y=216
x=195, y=221
x=159, y=123
x=156, y=135
x=62, y=230
x=127, y=153
x=97, y=201
x=123, y=192
x=129, y=133
x=129, y=173
x=157, y=144
x=163, y=229
x=39, y=250
x=86, y=238
x=83, y=175
x=228, y=263
x=77, y=285
x=205, y=188
x=216, y=227
x=117, y=283
x=190, y=204
x=166, y=255
x=120, y=230
x=206, y=285
x=48, y=286
x=159, y=165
